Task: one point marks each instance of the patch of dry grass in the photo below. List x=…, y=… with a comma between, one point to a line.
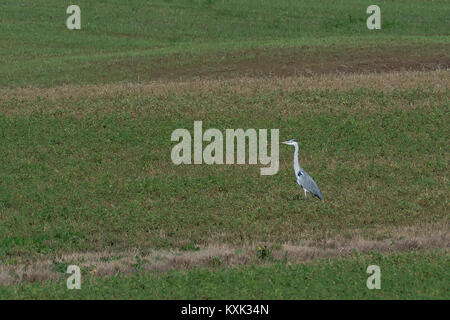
x=401, y=80
x=167, y=98
x=105, y=263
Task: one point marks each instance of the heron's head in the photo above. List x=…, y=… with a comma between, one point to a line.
x=291, y=142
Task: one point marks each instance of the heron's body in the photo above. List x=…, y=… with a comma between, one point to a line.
x=304, y=180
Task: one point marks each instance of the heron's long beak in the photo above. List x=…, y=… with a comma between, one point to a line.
x=285, y=142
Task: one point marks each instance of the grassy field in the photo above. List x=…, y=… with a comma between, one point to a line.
x=100, y=174
x=86, y=176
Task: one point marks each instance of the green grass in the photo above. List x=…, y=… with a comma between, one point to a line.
x=97, y=176
x=414, y=275
x=93, y=173
x=132, y=40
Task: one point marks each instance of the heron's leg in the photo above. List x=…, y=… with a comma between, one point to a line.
x=305, y=192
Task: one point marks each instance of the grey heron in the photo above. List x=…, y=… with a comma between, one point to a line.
x=303, y=179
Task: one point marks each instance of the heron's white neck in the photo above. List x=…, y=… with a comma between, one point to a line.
x=296, y=163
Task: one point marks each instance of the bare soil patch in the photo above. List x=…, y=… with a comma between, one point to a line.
x=281, y=62
x=309, y=61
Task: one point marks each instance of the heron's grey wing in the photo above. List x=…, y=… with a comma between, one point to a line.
x=306, y=182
